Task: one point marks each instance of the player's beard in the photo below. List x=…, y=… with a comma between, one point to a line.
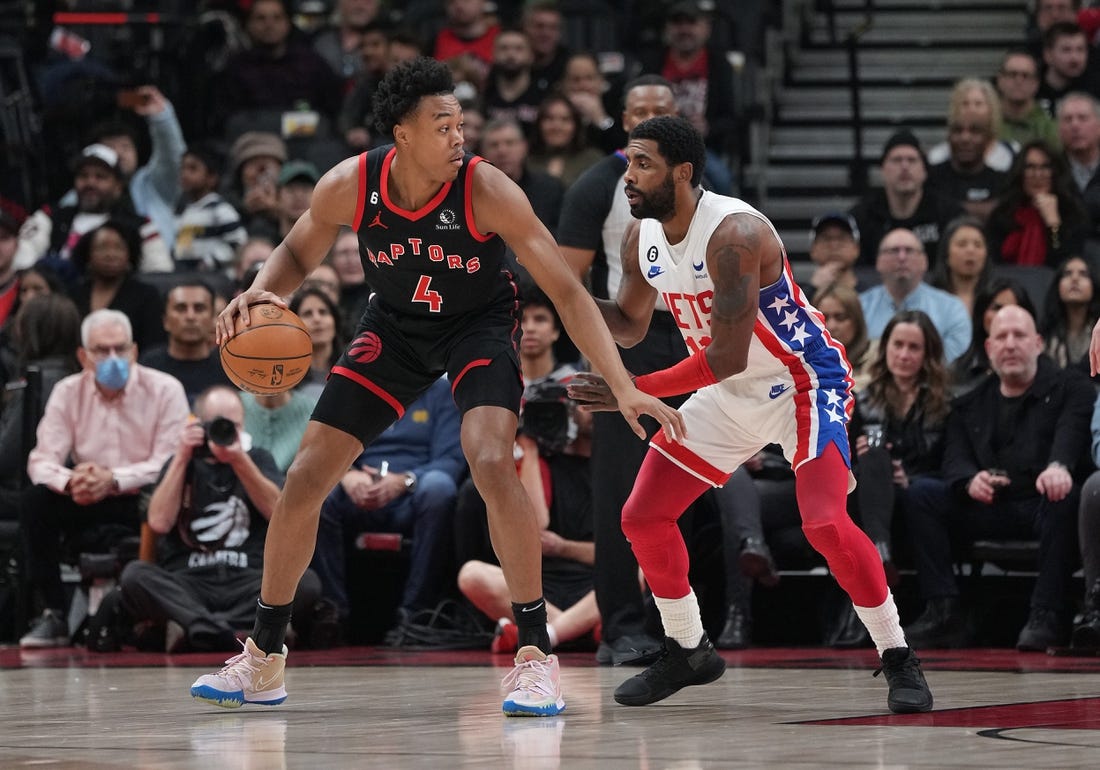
x=659, y=204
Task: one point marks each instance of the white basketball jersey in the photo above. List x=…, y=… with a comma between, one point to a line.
x=679, y=273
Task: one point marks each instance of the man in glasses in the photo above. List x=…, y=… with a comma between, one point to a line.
x=119, y=422
x=1022, y=119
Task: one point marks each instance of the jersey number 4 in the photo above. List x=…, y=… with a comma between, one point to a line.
x=424, y=294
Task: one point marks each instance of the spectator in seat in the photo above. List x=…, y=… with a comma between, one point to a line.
x=155, y=187
x=190, y=355
x=1070, y=310
x=108, y=258
x=210, y=509
x=511, y=93
x=903, y=200
x=559, y=144
x=1079, y=131
x=321, y=315
x=101, y=194
x=278, y=71
x=902, y=265
x=1066, y=58
x=973, y=365
x=977, y=96
x=504, y=145
x=256, y=158
x=405, y=481
x=278, y=422
x=964, y=176
x=208, y=227
x=844, y=319
x=469, y=31
x=116, y=422
x=1022, y=119
x=11, y=218
x=1015, y=454
x=963, y=266
x=702, y=81
x=46, y=334
x=542, y=22
x=354, y=290
x=834, y=249
x=596, y=99
x=1040, y=219
x=340, y=42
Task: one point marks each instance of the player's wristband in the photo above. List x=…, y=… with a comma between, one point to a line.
x=692, y=373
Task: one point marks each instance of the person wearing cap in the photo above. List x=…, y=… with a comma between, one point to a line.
x=903, y=200
x=834, y=249
x=255, y=160
x=209, y=228
x=295, y=191
x=52, y=231
x=702, y=81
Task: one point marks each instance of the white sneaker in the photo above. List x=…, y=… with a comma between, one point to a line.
x=533, y=688
x=246, y=678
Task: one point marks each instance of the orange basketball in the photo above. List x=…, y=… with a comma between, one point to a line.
x=269, y=356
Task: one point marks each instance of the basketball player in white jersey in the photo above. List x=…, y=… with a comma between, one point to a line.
x=764, y=370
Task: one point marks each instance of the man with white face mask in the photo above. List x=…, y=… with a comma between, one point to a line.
x=118, y=421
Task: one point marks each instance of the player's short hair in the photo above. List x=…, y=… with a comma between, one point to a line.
x=678, y=142
x=401, y=90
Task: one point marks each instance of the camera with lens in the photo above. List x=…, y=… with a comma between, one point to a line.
x=221, y=431
x=546, y=416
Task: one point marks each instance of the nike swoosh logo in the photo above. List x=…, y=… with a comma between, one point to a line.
x=655, y=271
x=532, y=609
x=777, y=391
x=263, y=684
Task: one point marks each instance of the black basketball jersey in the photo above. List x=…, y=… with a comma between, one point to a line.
x=432, y=262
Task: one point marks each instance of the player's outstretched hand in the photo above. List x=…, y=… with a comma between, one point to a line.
x=225, y=326
x=593, y=394
x=590, y=390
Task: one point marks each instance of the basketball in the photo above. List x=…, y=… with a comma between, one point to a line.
x=269, y=356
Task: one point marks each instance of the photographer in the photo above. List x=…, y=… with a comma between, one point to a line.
x=552, y=451
x=211, y=504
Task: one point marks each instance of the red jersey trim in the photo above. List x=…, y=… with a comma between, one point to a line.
x=361, y=195
x=377, y=390
x=410, y=215
x=466, y=368
x=469, y=196
x=688, y=460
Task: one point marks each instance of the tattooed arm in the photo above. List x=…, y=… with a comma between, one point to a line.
x=742, y=254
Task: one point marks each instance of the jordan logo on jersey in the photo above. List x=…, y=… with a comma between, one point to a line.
x=377, y=222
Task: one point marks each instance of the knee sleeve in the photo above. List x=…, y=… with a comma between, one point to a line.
x=661, y=494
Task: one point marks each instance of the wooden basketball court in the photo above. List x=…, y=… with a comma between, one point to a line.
x=372, y=707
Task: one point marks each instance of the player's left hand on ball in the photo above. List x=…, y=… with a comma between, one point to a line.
x=591, y=392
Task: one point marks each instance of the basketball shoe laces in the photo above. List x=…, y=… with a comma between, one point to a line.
x=532, y=676
x=903, y=674
x=240, y=669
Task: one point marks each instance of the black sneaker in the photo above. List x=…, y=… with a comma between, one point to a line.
x=675, y=668
x=909, y=693
x=628, y=650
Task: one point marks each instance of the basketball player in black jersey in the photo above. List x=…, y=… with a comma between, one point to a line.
x=431, y=221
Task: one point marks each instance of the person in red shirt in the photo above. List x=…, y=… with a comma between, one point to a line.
x=469, y=32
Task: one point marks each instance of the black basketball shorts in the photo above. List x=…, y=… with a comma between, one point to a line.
x=394, y=358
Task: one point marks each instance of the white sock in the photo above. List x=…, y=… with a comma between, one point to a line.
x=883, y=624
x=681, y=619
x=552, y=634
